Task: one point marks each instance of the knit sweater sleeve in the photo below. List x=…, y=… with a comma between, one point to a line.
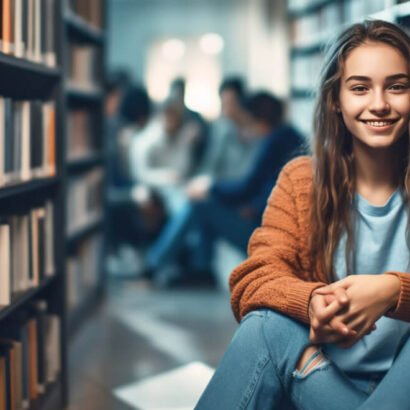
x=272, y=276
x=402, y=309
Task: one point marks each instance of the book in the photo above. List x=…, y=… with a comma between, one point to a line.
x=5, y=280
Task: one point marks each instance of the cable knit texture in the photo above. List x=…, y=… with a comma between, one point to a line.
x=278, y=272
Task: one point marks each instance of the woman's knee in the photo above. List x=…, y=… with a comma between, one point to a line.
x=272, y=327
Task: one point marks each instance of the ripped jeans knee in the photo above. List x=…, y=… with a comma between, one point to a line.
x=311, y=360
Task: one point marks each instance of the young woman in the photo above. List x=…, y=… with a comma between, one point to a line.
x=324, y=296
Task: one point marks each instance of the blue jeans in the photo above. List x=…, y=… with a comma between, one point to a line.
x=211, y=219
x=258, y=371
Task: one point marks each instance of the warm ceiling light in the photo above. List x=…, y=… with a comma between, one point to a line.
x=211, y=43
x=173, y=49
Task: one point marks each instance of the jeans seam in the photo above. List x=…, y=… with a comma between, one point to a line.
x=274, y=364
x=251, y=387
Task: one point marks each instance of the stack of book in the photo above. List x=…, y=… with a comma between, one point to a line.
x=83, y=269
x=79, y=134
x=27, y=140
x=89, y=10
x=27, y=30
x=29, y=356
x=83, y=69
x=84, y=200
x=26, y=251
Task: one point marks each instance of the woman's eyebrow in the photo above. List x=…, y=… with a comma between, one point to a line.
x=393, y=77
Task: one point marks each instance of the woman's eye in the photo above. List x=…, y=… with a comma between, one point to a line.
x=399, y=87
x=359, y=89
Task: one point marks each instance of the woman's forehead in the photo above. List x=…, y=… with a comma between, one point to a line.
x=375, y=60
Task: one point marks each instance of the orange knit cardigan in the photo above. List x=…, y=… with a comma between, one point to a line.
x=277, y=273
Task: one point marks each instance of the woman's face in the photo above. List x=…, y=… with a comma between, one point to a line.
x=374, y=98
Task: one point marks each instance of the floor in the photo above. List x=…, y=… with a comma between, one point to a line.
x=149, y=349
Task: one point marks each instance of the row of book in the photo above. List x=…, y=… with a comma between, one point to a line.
x=89, y=10
x=83, y=269
x=27, y=140
x=84, y=200
x=29, y=356
x=325, y=22
x=83, y=69
x=26, y=251
x=79, y=134
x=28, y=31
x=305, y=71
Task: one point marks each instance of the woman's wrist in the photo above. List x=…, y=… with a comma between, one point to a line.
x=392, y=289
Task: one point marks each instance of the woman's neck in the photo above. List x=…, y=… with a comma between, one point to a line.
x=376, y=172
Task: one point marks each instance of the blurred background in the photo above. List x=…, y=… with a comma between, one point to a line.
x=147, y=136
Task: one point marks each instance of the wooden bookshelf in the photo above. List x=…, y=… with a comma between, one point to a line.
x=84, y=45
x=31, y=274
x=313, y=24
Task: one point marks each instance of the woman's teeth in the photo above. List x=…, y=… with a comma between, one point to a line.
x=379, y=123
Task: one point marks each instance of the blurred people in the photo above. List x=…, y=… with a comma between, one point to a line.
x=162, y=161
x=229, y=152
x=232, y=208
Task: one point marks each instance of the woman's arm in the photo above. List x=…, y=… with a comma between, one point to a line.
x=276, y=275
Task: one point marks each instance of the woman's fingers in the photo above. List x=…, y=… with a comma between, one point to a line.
x=327, y=313
x=340, y=295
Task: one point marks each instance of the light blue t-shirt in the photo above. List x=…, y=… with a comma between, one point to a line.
x=380, y=246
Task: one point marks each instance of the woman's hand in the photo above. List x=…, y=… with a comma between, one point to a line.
x=325, y=325
x=370, y=297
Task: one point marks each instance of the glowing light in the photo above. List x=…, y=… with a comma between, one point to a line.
x=203, y=98
x=173, y=49
x=211, y=43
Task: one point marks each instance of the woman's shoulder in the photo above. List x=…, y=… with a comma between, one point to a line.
x=299, y=170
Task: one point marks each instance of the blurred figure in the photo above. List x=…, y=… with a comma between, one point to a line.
x=116, y=83
x=124, y=225
x=232, y=209
x=177, y=94
x=229, y=152
x=162, y=159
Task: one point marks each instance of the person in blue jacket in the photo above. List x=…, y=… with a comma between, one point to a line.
x=230, y=209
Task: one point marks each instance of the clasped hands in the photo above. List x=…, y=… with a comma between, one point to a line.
x=346, y=310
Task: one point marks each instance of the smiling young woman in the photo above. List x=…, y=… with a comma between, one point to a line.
x=324, y=296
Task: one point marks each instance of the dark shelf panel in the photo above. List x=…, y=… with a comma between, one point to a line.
x=79, y=314
x=311, y=8
x=22, y=78
x=85, y=163
x=83, y=232
x=27, y=188
x=51, y=399
x=83, y=96
x=80, y=29
x=24, y=297
x=302, y=93
x=314, y=48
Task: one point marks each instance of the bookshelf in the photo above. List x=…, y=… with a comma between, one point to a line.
x=33, y=370
x=314, y=23
x=83, y=85
x=50, y=272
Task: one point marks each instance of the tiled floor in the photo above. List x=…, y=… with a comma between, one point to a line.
x=141, y=342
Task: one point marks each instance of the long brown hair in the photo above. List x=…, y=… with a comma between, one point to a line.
x=334, y=179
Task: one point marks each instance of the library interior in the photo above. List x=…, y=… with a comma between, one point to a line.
x=135, y=164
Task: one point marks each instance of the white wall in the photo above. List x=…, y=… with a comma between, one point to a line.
x=254, y=32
